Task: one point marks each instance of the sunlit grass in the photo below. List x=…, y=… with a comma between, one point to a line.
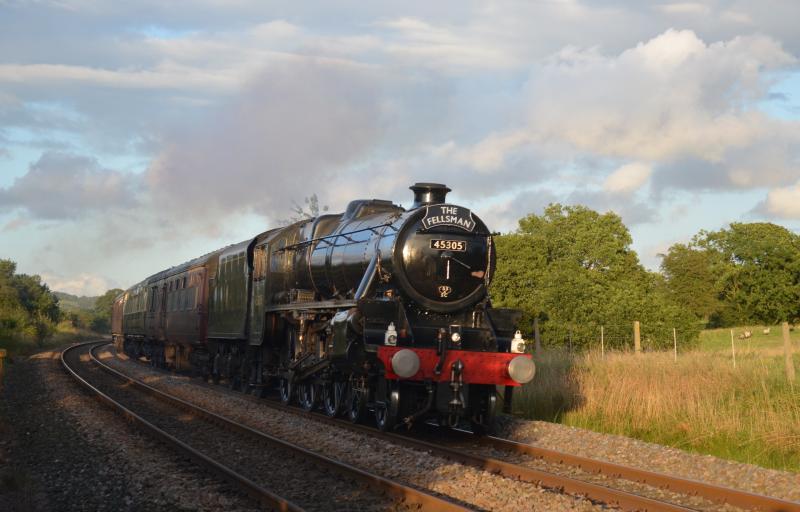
x=25, y=344
x=700, y=403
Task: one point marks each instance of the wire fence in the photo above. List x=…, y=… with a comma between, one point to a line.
x=627, y=336
x=637, y=337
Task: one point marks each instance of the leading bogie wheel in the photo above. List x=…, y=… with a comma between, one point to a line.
x=484, y=426
x=386, y=412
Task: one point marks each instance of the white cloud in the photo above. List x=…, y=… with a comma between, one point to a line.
x=446, y=47
x=671, y=98
x=488, y=155
x=63, y=186
x=784, y=202
x=79, y=284
x=685, y=8
x=628, y=178
x=251, y=105
x=167, y=76
x=285, y=137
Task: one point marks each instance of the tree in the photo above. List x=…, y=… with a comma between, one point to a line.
x=27, y=307
x=691, y=279
x=573, y=268
x=12, y=317
x=758, y=272
x=101, y=322
x=301, y=213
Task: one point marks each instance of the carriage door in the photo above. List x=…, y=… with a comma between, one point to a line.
x=163, y=308
x=258, y=294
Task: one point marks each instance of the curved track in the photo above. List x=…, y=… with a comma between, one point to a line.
x=513, y=460
x=280, y=475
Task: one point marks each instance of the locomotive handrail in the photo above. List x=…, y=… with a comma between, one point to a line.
x=325, y=238
x=322, y=304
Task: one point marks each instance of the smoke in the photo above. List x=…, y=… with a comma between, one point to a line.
x=285, y=137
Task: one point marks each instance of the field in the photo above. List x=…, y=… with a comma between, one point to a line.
x=700, y=403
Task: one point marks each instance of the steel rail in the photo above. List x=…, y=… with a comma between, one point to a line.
x=715, y=493
x=613, y=497
x=399, y=491
x=262, y=495
x=711, y=492
x=594, y=492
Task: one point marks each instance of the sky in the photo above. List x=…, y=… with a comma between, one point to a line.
x=137, y=135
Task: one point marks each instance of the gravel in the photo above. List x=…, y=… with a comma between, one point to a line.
x=61, y=450
x=653, y=457
x=300, y=480
x=480, y=489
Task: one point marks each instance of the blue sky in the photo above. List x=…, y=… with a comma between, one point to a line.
x=136, y=135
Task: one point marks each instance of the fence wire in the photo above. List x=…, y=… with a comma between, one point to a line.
x=617, y=336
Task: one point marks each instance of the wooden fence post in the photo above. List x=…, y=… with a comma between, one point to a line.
x=602, y=344
x=733, y=350
x=675, y=343
x=787, y=353
x=537, y=338
x=637, y=338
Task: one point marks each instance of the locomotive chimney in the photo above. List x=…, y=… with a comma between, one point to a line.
x=429, y=193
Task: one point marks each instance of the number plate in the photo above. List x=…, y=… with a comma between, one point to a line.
x=449, y=245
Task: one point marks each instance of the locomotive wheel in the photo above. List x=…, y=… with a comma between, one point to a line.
x=307, y=395
x=483, y=424
x=333, y=395
x=285, y=390
x=386, y=412
x=356, y=404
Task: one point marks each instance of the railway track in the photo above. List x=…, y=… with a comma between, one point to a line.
x=516, y=463
x=517, y=460
x=523, y=453
x=278, y=474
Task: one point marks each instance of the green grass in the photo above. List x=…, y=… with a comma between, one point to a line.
x=720, y=339
x=700, y=403
x=21, y=345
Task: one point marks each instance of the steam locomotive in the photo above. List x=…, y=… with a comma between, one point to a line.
x=378, y=309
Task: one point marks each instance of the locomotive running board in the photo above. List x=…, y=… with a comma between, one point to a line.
x=323, y=304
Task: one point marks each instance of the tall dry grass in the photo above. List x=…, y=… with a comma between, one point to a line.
x=700, y=403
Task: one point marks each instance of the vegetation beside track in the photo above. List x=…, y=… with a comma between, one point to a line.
x=32, y=317
x=699, y=403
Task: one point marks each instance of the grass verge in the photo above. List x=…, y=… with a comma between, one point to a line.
x=21, y=345
x=698, y=403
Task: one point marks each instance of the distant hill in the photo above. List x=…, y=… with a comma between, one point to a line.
x=69, y=302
